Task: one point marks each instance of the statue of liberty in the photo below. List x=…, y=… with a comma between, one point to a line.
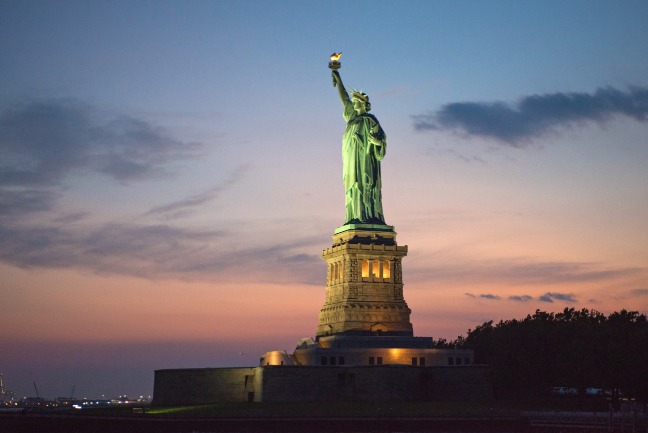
x=364, y=145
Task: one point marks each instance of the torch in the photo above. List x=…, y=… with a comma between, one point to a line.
x=335, y=64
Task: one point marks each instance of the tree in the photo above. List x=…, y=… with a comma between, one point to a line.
x=579, y=349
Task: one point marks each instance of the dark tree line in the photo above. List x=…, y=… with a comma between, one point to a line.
x=573, y=349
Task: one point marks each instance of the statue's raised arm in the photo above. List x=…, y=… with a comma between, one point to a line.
x=337, y=82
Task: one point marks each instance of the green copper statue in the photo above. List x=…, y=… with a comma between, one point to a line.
x=363, y=147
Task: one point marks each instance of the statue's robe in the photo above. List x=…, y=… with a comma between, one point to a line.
x=361, y=167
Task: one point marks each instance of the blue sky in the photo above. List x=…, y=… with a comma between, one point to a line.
x=170, y=172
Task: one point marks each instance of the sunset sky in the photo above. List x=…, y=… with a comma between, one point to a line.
x=170, y=172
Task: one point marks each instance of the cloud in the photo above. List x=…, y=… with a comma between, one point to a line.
x=519, y=271
x=639, y=292
x=122, y=248
x=550, y=296
x=15, y=202
x=483, y=296
x=561, y=272
x=535, y=115
x=157, y=251
x=181, y=207
x=43, y=141
x=545, y=298
x=71, y=217
x=522, y=298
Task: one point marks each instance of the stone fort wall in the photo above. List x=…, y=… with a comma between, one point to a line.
x=320, y=384
x=202, y=385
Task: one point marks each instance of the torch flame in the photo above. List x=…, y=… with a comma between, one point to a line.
x=336, y=56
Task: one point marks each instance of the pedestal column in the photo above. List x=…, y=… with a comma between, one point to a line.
x=364, y=288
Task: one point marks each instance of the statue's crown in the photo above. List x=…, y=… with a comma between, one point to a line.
x=358, y=94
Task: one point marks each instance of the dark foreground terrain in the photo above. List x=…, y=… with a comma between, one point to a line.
x=437, y=417
x=83, y=424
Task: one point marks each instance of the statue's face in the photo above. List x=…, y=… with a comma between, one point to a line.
x=359, y=106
